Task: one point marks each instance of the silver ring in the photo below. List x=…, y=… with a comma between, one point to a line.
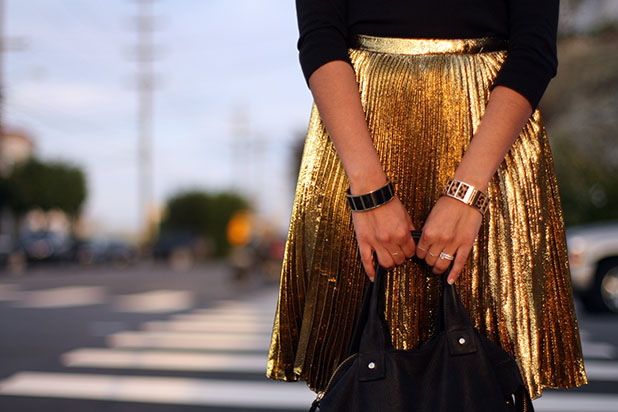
x=446, y=256
x=420, y=248
x=395, y=253
x=431, y=254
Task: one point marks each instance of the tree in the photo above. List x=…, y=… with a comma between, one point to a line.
x=587, y=181
x=54, y=185
x=580, y=108
x=203, y=214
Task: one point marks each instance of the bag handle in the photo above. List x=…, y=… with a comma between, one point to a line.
x=370, y=333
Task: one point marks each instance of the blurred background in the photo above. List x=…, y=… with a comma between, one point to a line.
x=148, y=156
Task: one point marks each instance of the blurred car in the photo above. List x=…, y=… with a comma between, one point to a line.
x=94, y=251
x=5, y=248
x=45, y=245
x=261, y=257
x=593, y=257
x=181, y=248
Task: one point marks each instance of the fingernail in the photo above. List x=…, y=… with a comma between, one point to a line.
x=450, y=281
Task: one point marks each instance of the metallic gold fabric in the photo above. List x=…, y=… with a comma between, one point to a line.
x=423, y=104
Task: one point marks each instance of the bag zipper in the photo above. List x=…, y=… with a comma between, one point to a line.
x=321, y=394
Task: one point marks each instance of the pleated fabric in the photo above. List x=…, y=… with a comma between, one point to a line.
x=423, y=100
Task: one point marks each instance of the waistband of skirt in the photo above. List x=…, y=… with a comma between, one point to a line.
x=392, y=45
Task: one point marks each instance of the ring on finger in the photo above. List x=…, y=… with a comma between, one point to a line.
x=446, y=256
x=395, y=253
x=423, y=249
x=431, y=254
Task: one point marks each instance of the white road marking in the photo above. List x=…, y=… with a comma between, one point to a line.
x=164, y=360
x=180, y=391
x=264, y=301
x=197, y=341
x=9, y=292
x=155, y=301
x=599, y=350
x=227, y=317
x=576, y=402
x=231, y=328
x=183, y=391
x=242, y=310
x=601, y=371
x=64, y=297
x=211, y=326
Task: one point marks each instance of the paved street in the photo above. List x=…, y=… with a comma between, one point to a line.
x=147, y=339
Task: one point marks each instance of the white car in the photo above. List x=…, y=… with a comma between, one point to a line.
x=593, y=257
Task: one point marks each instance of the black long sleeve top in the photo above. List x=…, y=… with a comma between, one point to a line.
x=530, y=26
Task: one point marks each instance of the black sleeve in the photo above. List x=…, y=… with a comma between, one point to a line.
x=323, y=33
x=532, y=58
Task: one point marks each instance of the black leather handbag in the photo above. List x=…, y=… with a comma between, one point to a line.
x=457, y=370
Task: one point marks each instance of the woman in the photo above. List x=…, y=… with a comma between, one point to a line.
x=439, y=119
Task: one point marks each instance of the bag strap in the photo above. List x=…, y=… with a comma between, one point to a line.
x=523, y=403
x=370, y=328
x=373, y=334
x=454, y=314
x=370, y=332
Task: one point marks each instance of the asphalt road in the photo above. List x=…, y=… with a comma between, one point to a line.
x=145, y=338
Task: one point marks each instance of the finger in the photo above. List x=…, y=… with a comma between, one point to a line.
x=367, y=260
x=460, y=260
x=413, y=243
x=421, y=247
x=432, y=254
x=408, y=248
x=443, y=262
x=398, y=256
x=410, y=224
x=384, y=257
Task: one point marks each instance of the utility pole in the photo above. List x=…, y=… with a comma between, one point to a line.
x=6, y=44
x=239, y=148
x=2, y=49
x=145, y=56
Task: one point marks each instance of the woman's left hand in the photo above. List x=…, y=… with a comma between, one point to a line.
x=450, y=228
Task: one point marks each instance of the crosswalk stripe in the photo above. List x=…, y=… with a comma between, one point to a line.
x=154, y=301
x=180, y=391
x=9, y=292
x=64, y=297
x=189, y=340
x=239, y=333
x=601, y=371
x=243, y=310
x=213, y=326
x=165, y=360
x=572, y=402
x=184, y=391
x=227, y=317
x=162, y=360
x=265, y=301
x=599, y=350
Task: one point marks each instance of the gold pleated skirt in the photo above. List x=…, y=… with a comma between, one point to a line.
x=423, y=100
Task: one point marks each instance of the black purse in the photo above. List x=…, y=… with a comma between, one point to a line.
x=456, y=370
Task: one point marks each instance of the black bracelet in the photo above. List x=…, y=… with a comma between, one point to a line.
x=371, y=200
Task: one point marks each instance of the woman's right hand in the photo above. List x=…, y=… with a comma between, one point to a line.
x=385, y=230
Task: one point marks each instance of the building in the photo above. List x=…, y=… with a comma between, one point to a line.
x=15, y=147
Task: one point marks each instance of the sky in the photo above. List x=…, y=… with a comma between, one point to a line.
x=69, y=78
x=70, y=75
